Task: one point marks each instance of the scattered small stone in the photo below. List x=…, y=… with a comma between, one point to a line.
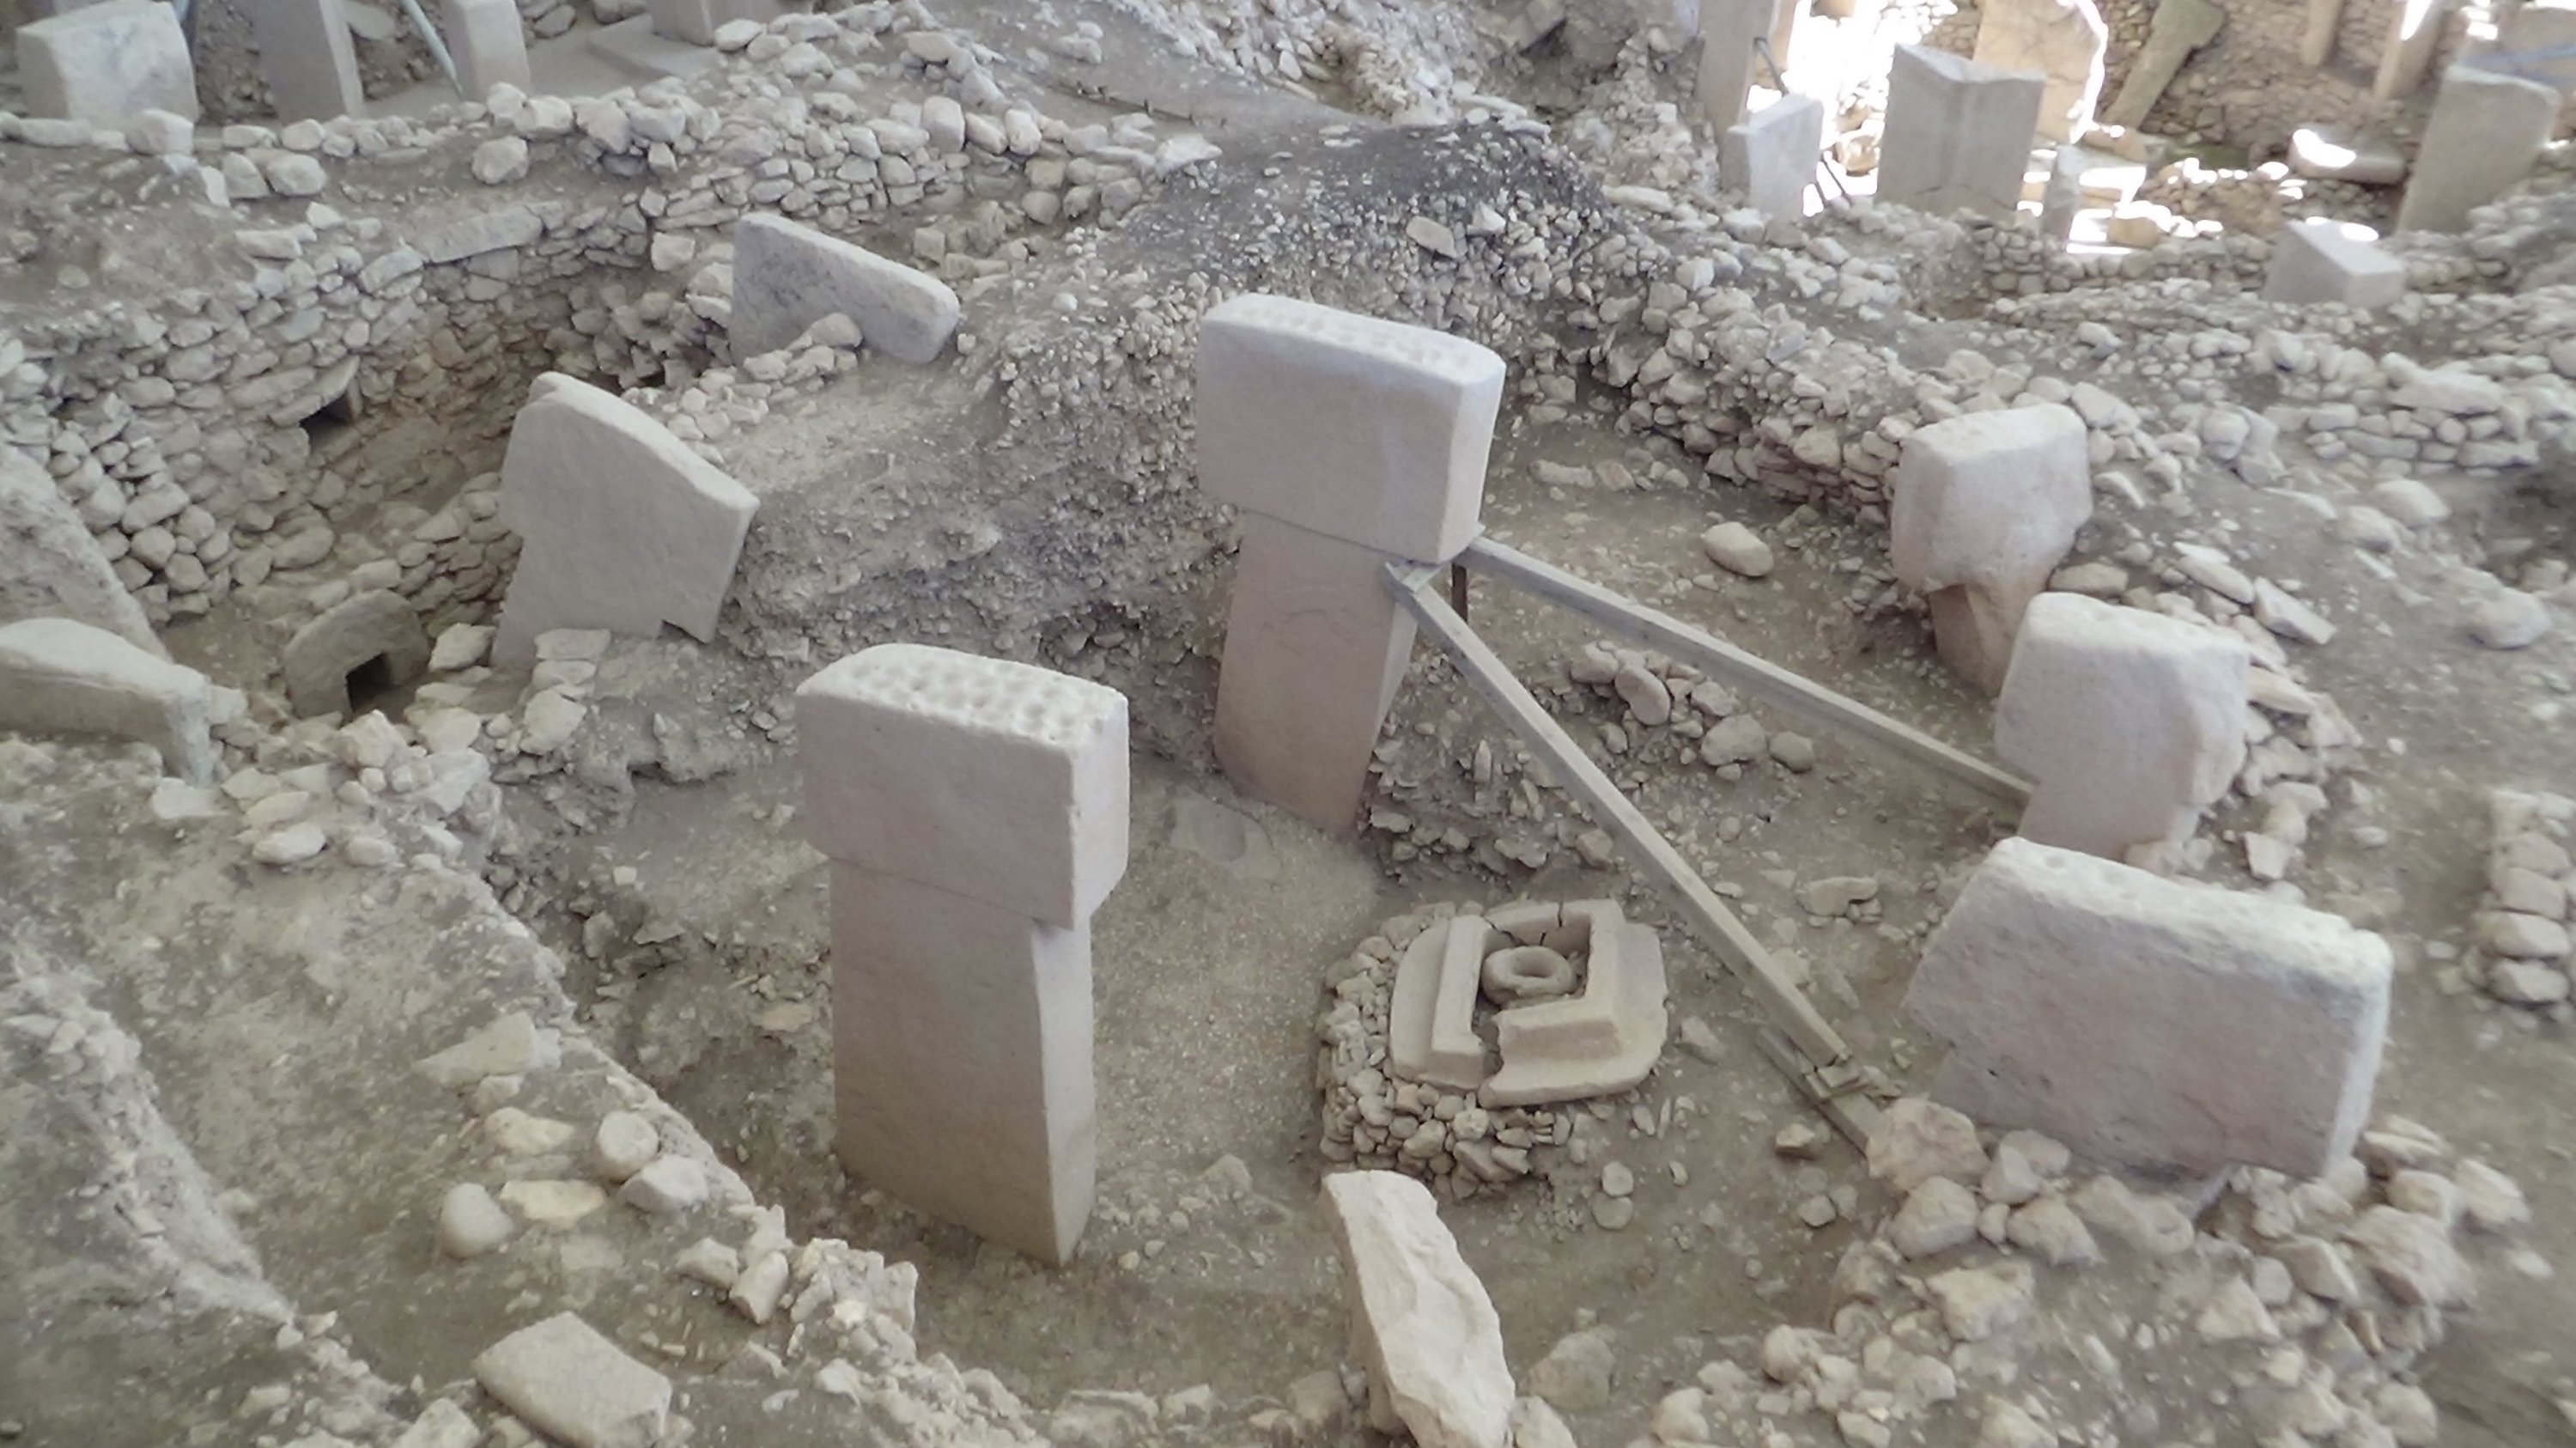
x=470, y=1223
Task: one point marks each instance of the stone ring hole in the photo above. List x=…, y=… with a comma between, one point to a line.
x=1528, y=973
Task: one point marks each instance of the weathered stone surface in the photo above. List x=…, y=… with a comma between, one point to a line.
x=2063, y=40
x=2484, y=137
x=1982, y=507
x=2331, y=261
x=350, y=635
x=1771, y=157
x=2154, y=1021
x=485, y=40
x=104, y=64
x=787, y=277
x=308, y=59
x=574, y=1385
x=2129, y=723
x=2180, y=27
x=1958, y=133
x=49, y=568
x=625, y=529
x=59, y=675
x=1420, y=1320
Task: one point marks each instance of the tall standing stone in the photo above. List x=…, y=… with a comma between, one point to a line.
x=1729, y=67
x=1958, y=133
x=2064, y=40
x=1981, y=508
x=1772, y=157
x=2485, y=135
x=487, y=43
x=975, y=813
x=1348, y=443
x=307, y=59
x=2415, y=33
x=2180, y=27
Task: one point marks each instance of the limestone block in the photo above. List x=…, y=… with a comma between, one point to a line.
x=60, y=676
x=307, y=59
x=2152, y=1021
x=105, y=64
x=2485, y=135
x=2180, y=27
x=1314, y=650
x=2128, y=722
x=575, y=1386
x=2317, y=38
x=1421, y=1323
x=696, y=21
x=1772, y=157
x=962, y=1059
x=1729, y=67
x=1982, y=507
x=1369, y=431
x=485, y=40
x=2416, y=30
x=1431, y=1012
x=1597, y=1043
x=787, y=277
x=2340, y=153
x=1958, y=133
x=2332, y=261
x=624, y=528
x=2064, y=40
x=352, y=635
x=49, y=568
x=1001, y=781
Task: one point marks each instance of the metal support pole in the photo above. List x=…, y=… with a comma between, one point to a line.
x=437, y=47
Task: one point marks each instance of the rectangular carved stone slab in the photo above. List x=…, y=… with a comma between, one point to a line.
x=2151, y=1021
x=1958, y=133
x=787, y=277
x=1000, y=781
x=1369, y=431
x=2326, y=261
x=2484, y=137
x=104, y=63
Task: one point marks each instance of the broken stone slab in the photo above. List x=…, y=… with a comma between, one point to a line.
x=1431, y=1010
x=372, y=636
x=1000, y=781
x=1421, y=1323
x=1772, y=156
x=1982, y=508
x=2333, y=261
x=1958, y=132
x=1368, y=431
x=105, y=64
x=787, y=277
x=573, y=1385
x=61, y=675
x=2153, y=1022
x=2337, y=153
x=50, y=568
x=624, y=527
x=1602, y=1041
x=2064, y=40
x=485, y=40
x=2180, y=27
x=2484, y=137
x=2129, y=723
x=307, y=59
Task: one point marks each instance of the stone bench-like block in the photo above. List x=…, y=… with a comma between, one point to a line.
x=2130, y=723
x=1982, y=507
x=352, y=635
x=1000, y=781
x=787, y=277
x=625, y=529
x=1597, y=1043
x=1369, y=431
x=962, y=1058
x=1958, y=133
x=487, y=43
x=105, y=64
x=2484, y=137
x=59, y=676
x=1421, y=1323
x=308, y=59
x=2332, y=261
x=1431, y=1011
x=1772, y=156
x=2151, y=1021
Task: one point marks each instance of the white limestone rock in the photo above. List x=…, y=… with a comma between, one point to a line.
x=786, y=277
x=471, y=1223
x=1420, y=1321
x=1737, y=549
x=58, y=675
x=572, y=1384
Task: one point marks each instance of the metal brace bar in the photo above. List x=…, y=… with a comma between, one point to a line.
x=1766, y=681
x=437, y=47
x=1699, y=906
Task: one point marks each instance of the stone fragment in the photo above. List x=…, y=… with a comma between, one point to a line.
x=1978, y=1303
x=2412, y=1257
x=2336, y=153
x=1982, y=507
x=552, y=1203
x=1938, y=1215
x=485, y=40
x=696, y=22
x=470, y=1223
x=787, y=277
x=2064, y=40
x=573, y=1385
x=2130, y=723
x=2321, y=260
x=364, y=644
x=510, y=1046
x=2484, y=137
x=624, y=1144
x=1917, y=1140
x=1421, y=1323
x=2051, y=1230
x=59, y=676
x=1771, y=157
x=2153, y=1021
x=2509, y=619
x=307, y=59
x=670, y=1184
x=1575, y=1375
x=104, y=64
x=623, y=527
x=1958, y=133
x=1737, y=549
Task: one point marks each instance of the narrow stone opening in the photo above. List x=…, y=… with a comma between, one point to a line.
x=371, y=686
x=332, y=418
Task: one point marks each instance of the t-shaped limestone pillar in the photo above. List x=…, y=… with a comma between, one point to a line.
x=1958, y=133
x=1982, y=508
x=1347, y=442
x=625, y=528
x=2484, y=137
x=2130, y=722
x=975, y=812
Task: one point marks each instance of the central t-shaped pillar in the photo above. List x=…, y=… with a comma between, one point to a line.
x=1348, y=442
